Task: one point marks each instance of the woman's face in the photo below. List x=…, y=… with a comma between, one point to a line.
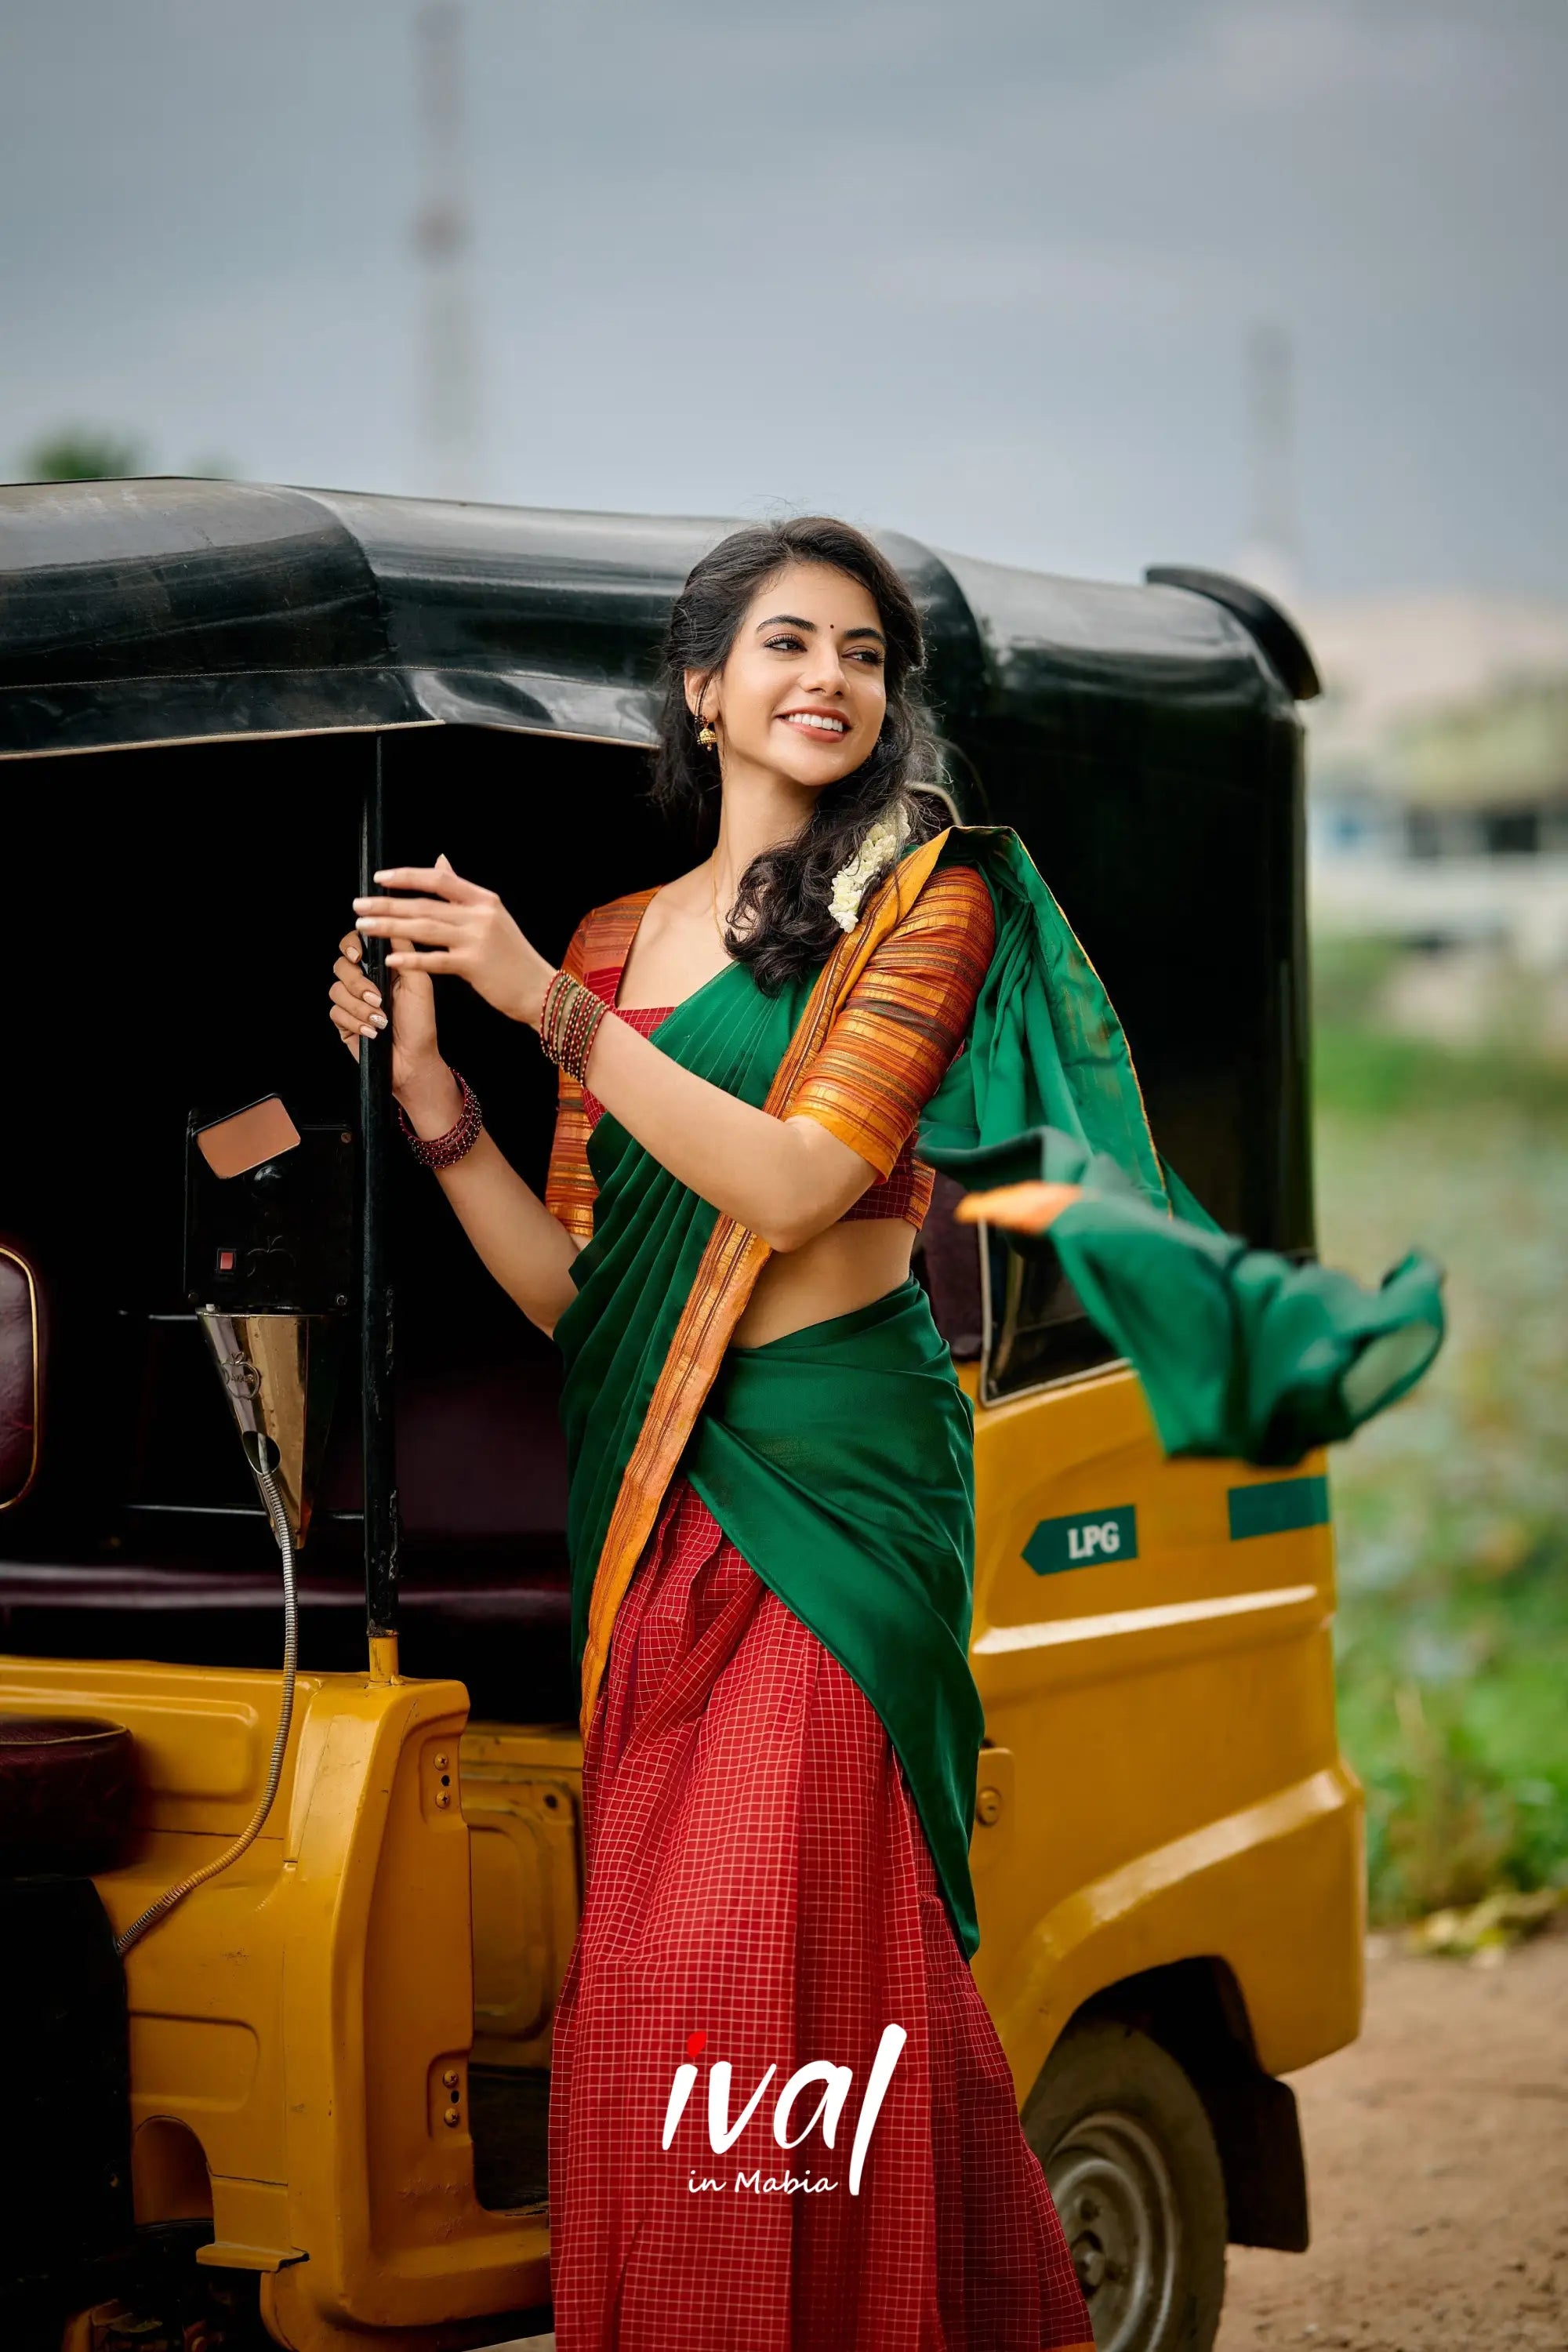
x=804, y=690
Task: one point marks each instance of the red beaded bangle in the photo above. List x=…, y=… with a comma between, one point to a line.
x=559, y=987
x=569, y=1020
x=558, y=998
x=591, y=1010
x=446, y=1150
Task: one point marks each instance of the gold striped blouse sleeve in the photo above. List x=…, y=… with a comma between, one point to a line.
x=905, y=1018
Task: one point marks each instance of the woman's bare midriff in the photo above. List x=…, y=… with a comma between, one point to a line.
x=846, y=1265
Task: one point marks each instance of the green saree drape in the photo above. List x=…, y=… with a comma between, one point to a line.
x=840, y=1461
x=632, y=1278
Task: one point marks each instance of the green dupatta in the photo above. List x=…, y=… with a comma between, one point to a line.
x=1241, y=1352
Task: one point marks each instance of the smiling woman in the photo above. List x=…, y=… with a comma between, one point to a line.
x=771, y=1499
x=791, y=676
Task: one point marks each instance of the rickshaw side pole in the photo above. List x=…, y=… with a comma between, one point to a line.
x=380, y=1564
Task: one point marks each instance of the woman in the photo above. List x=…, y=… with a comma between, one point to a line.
x=771, y=1513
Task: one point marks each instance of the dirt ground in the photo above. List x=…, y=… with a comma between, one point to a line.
x=1437, y=2161
x=1438, y=2158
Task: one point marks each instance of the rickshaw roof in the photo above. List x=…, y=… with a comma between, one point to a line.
x=160, y=611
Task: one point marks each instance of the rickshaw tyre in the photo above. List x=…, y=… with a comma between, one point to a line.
x=1109, y=2100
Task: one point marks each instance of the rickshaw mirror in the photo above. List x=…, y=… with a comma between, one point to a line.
x=232, y=1146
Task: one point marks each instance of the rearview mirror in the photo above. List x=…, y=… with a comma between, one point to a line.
x=232, y=1146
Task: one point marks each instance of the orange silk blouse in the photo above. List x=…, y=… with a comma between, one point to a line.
x=879, y=1066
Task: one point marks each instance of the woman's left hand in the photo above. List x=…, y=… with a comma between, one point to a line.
x=457, y=927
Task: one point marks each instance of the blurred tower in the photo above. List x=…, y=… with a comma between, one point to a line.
x=1272, y=555
x=443, y=232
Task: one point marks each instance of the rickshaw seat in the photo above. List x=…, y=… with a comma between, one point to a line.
x=500, y=1625
x=502, y=1595
x=23, y=1339
x=65, y=1787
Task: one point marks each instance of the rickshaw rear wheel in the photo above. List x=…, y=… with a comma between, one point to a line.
x=1136, y=2177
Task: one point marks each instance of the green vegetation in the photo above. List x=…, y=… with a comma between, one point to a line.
x=92, y=453
x=1452, y=1511
x=83, y=453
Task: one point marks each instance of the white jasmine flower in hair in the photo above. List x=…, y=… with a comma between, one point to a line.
x=878, y=846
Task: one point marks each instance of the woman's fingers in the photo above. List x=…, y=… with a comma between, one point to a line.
x=354, y=1000
x=373, y=905
x=407, y=915
x=349, y=1028
x=349, y=1001
x=353, y=989
x=406, y=959
x=443, y=909
x=355, y=1020
x=351, y=974
x=443, y=880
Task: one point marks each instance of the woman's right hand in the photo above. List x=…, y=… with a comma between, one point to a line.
x=357, y=1009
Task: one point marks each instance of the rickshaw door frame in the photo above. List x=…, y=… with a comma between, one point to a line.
x=375, y=1302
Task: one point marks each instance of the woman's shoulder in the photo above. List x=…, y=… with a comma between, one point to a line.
x=629, y=901
x=957, y=884
x=955, y=897
x=604, y=934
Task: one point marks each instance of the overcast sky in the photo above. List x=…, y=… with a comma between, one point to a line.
x=981, y=270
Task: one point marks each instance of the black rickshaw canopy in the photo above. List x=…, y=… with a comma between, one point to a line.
x=201, y=646
x=167, y=611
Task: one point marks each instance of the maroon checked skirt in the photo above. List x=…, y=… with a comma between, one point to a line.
x=758, y=1876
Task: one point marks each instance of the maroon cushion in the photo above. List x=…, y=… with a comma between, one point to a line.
x=521, y=1590
x=21, y=1370
x=65, y=1787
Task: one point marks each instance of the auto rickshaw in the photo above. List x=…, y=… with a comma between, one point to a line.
x=306, y=2103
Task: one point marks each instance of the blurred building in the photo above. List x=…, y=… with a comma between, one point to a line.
x=1439, y=772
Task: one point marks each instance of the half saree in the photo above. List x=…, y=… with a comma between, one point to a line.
x=772, y=1565
x=772, y=1554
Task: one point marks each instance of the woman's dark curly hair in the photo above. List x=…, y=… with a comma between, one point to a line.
x=783, y=892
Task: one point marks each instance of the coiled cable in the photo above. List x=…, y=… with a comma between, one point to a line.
x=280, y=1519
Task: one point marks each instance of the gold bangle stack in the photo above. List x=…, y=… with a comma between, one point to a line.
x=568, y=1023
